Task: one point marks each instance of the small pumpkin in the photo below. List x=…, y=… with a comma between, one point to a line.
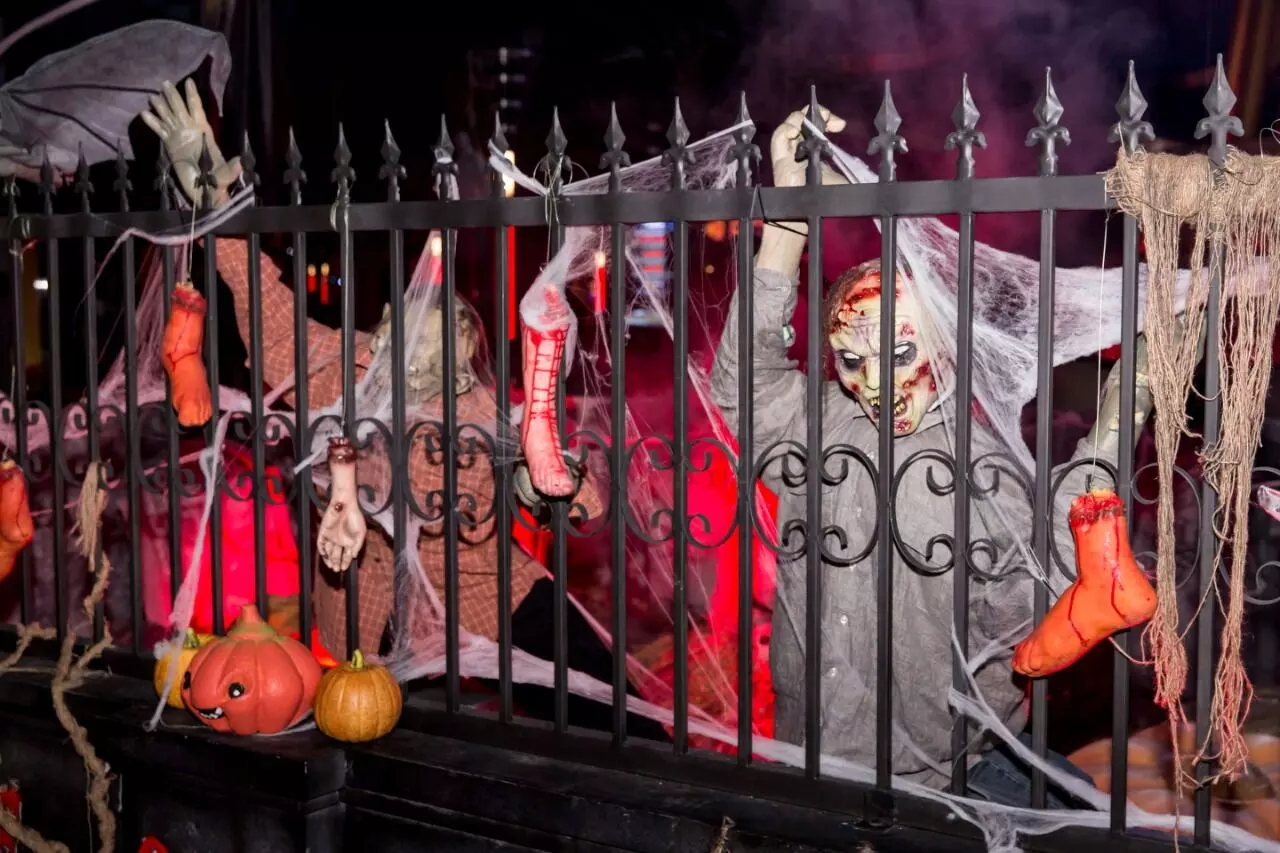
x=186, y=652
x=252, y=681
x=358, y=702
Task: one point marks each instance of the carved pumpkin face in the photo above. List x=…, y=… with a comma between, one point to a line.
x=252, y=681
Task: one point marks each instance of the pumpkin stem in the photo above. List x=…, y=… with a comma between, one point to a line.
x=357, y=660
x=190, y=640
x=250, y=622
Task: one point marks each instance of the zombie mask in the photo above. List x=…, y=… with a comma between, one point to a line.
x=853, y=331
x=425, y=364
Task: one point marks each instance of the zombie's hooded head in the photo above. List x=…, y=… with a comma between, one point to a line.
x=853, y=332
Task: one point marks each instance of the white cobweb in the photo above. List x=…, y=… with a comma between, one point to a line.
x=1005, y=292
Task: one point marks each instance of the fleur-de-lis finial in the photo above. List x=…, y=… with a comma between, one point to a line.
x=248, y=163
x=342, y=175
x=1131, y=131
x=887, y=142
x=83, y=185
x=677, y=155
x=813, y=147
x=556, y=163
x=966, y=134
x=391, y=171
x=48, y=186
x=294, y=176
x=122, y=184
x=1049, y=131
x=1220, y=123
x=205, y=179
x=744, y=151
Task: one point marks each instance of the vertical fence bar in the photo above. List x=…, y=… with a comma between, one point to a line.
x=503, y=328
x=392, y=172
x=1219, y=124
x=558, y=164
x=295, y=178
x=1208, y=541
x=745, y=153
x=133, y=449
x=57, y=436
x=1047, y=133
x=812, y=149
x=256, y=383
x=888, y=143
x=677, y=156
x=19, y=389
x=173, y=466
x=615, y=159
x=90, y=306
x=209, y=184
x=963, y=140
x=344, y=176
x=1130, y=131
x=1120, y=699
x=445, y=171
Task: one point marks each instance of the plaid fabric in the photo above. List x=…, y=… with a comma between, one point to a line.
x=477, y=545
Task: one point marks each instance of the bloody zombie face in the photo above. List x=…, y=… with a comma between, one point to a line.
x=853, y=330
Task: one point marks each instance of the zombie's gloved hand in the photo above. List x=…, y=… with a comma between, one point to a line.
x=1105, y=435
x=184, y=131
x=342, y=528
x=782, y=245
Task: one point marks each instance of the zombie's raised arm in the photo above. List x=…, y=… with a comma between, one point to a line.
x=777, y=387
x=324, y=345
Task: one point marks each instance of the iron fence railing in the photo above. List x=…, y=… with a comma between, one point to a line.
x=890, y=200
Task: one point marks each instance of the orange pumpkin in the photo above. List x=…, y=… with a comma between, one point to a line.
x=1251, y=803
x=186, y=653
x=252, y=681
x=358, y=702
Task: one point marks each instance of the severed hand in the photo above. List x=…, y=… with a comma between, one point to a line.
x=184, y=131
x=342, y=528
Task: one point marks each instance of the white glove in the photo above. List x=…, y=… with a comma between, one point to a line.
x=184, y=131
x=781, y=247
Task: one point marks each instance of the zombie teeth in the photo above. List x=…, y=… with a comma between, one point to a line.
x=900, y=406
x=210, y=713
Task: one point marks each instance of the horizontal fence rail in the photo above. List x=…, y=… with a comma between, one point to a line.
x=81, y=430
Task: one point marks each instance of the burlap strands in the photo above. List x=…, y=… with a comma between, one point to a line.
x=1232, y=216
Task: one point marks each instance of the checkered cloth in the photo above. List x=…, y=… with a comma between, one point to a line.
x=477, y=546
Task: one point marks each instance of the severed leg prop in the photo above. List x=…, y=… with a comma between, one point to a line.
x=544, y=344
x=16, y=526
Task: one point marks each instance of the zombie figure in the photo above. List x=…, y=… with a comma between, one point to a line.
x=922, y=603
x=343, y=533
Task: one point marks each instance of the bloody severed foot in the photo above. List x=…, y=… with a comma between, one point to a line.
x=1110, y=592
x=539, y=433
x=183, y=337
x=16, y=526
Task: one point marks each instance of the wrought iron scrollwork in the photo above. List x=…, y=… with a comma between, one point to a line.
x=927, y=566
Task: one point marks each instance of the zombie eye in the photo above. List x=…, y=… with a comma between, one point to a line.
x=904, y=353
x=848, y=361
x=236, y=690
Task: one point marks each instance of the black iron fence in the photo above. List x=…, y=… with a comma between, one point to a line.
x=59, y=470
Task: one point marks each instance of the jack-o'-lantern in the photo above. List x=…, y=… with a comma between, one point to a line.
x=1251, y=802
x=186, y=652
x=252, y=681
x=358, y=702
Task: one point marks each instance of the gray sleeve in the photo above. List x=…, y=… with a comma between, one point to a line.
x=778, y=387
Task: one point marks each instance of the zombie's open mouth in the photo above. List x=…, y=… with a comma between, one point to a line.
x=210, y=713
x=899, y=406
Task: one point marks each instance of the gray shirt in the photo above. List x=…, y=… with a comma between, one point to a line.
x=922, y=601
